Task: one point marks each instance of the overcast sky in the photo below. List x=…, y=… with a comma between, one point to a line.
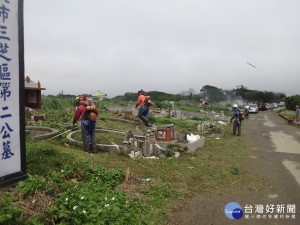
x=119, y=46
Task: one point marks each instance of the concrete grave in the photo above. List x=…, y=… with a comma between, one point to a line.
x=40, y=133
x=144, y=146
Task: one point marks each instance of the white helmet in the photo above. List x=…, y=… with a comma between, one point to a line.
x=234, y=105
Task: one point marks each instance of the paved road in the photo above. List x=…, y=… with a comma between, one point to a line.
x=275, y=158
x=277, y=144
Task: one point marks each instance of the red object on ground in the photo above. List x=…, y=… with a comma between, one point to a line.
x=290, y=120
x=164, y=134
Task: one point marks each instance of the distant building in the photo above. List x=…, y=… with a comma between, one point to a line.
x=100, y=95
x=33, y=94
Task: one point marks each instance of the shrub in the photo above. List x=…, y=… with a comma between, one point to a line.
x=29, y=186
x=83, y=195
x=162, y=105
x=87, y=195
x=51, y=103
x=9, y=214
x=84, y=205
x=93, y=200
x=292, y=101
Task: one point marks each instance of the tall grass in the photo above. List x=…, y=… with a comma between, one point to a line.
x=57, y=103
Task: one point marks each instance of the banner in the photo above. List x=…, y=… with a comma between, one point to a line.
x=12, y=116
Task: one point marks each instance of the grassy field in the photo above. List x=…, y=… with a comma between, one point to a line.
x=96, y=183
x=117, y=125
x=171, y=180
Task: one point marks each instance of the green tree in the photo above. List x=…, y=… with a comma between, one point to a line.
x=128, y=96
x=212, y=94
x=191, y=92
x=292, y=101
x=241, y=91
x=264, y=96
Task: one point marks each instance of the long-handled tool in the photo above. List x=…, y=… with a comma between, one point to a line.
x=62, y=133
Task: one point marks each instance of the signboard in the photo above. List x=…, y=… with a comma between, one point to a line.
x=12, y=119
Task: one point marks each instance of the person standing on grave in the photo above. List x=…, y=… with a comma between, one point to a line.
x=88, y=113
x=144, y=109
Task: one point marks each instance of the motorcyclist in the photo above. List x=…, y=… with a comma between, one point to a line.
x=237, y=123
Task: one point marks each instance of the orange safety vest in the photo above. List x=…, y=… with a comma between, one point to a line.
x=141, y=100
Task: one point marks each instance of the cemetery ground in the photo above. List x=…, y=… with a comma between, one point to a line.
x=69, y=186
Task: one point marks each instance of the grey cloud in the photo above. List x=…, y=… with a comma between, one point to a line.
x=121, y=46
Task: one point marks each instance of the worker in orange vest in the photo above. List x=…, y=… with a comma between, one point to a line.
x=144, y=109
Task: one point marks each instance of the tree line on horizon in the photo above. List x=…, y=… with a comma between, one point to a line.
x=211, y=94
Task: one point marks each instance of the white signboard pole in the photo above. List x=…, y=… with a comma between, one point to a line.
x=12, y=116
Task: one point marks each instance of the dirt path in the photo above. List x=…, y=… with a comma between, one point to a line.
x=274, y=156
